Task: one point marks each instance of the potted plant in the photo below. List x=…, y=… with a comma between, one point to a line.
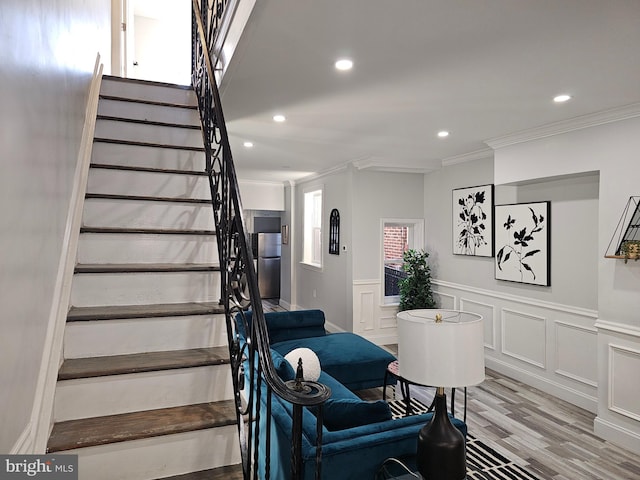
x=630, y=249
x=415, y=288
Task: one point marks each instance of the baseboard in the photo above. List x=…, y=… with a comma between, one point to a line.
x=286, y=305
x=558, y=390
x=617, y=434
x=332, y=327
x=41, y=417
x=386, y=339
x=24, y=444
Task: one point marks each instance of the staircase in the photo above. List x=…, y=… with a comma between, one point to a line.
x=145, y=391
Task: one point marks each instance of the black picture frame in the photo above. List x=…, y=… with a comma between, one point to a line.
x=473, y=221
x=523, y=243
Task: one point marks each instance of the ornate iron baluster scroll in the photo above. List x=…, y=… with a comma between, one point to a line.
x=255, y=380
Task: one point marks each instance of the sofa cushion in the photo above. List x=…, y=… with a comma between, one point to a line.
x=282, y=366
x=283, y=326
x=342, y=413
x=349, y=358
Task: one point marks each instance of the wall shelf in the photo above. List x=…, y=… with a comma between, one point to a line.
x=628, y=229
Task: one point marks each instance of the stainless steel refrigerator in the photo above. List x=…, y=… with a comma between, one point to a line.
x=266, y=252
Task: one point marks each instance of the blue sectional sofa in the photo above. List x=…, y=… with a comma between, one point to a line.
x=357, y=436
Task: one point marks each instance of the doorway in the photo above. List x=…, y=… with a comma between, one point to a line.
x=152, y=40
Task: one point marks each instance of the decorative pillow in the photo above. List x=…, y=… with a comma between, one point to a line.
x=283, y=367
x=343, y=413
x=310, y=363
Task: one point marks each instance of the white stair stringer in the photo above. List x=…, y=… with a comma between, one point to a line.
x=116, y=247
x=99, y=338
x=123, y=213
x=147, y=91
x=149, y=133
x=150, y=112
x=123, y=182
x=115, y=394
x=147, y=250
x=101, y=289
x=161, y=456
x=128, y=155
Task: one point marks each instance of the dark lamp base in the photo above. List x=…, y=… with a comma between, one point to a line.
x=441, y=447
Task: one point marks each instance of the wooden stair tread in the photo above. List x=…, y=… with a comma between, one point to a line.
x=228, y=472
x=79, y=314
x=157, y=83
x=146, y=231
x=133, y=168
x=145, y=267
x=74, y=368
x=147, y=122
x=148, y=144
x=145, y=198
x=89, y=432
x=118, y=98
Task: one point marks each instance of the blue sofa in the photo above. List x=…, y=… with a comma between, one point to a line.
x=357, y=436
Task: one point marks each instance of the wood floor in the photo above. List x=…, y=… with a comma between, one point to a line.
x=551, y=438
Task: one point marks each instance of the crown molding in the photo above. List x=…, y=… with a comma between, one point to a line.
x=564, y=126
x=468, y=157
x=318, y=175
x=377, y=165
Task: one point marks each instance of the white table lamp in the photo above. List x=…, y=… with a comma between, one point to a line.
x=442, y=348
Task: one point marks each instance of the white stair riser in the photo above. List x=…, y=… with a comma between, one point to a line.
x=147, y=214
x=144, y=111
x=124, y=182
x=103, y=289
x=99, y=338
x=111, y=395
x=146, y=248
x=153, y=157
x=154, y=93
x=140, y=132
x=159, y=457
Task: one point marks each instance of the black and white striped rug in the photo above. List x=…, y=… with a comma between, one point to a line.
x=483, y=462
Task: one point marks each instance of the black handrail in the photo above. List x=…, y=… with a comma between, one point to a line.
x=239, y=287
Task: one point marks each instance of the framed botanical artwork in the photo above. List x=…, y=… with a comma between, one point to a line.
x=523, y=243
x=473, y=221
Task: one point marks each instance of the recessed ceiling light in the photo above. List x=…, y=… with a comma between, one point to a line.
x=443, y=134
x=248, y=144
x=279, y=118
x=561, y=98
x=344, y=64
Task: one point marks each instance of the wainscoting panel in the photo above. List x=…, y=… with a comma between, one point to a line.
x=624, y=384
x=371, y=319
x=618, y=417
x=489, y=319
x=573, y=360
x=524, y=337
x=445, y=301
x=552, y=347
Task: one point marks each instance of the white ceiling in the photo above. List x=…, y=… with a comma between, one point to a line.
x=481, y=69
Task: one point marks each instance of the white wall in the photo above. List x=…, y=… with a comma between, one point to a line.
x=328, y=288
x=544, y=336
x=48, y=55
x=376, y=196
x=612, y=149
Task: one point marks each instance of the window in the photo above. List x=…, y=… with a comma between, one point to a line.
x=398, y=236
x=312, y=248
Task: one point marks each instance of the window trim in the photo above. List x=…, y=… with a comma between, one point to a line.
x=417, y=242
x=304, y=261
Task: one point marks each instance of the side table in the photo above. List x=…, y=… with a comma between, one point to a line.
x=393, y=370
